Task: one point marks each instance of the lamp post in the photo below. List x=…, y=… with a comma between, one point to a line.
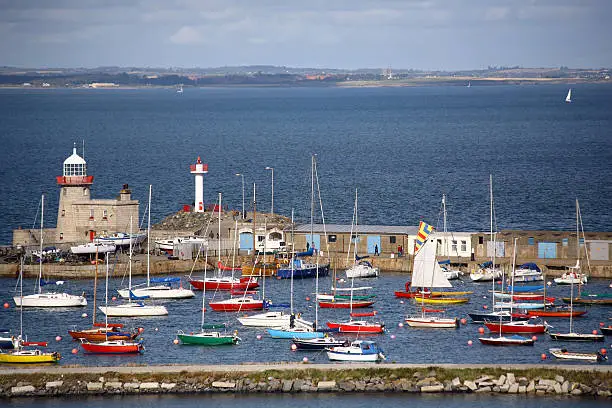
x=242, y=176
x=272, y=203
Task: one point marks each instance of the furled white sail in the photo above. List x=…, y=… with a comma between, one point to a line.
x=426, y=272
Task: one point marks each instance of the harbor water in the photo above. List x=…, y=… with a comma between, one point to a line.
x=402, y=147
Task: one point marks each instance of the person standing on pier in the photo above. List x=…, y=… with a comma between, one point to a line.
x=376, y=250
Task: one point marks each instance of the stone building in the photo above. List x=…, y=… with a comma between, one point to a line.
x=79, y=217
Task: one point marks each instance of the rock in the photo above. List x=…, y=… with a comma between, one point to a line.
x=486, y=384
x=431, y=373
x=361, y=385
x=502, y=380
x=548, y=383
x=408, y=386
x=559, y=379
x=522, y=389
x=496, y=388
x=54, y=384
x=427, y=381
x=418, y=375
x=287, y=385
x=150, y=386
x=540, y=392
x=94, y=386
x=274, y=385
x=586, y=389
x=484, y=389
x=482, y=379
x=432, y=388
x=541, y=387
x=576, y=391
x=604, y=393
x=523, y=381
x=101, y=379
x=22, y=390
x=513, y=388
x=113, y=384
x=456, y=382
x=557, y=388
x=448, y=386
x=168, y=386
x=510, y=379
x=531, y=386
x=326, y=385
x=346, y=385
x=565, y=387
x=504, y=388
x=297, y=385
x=471, y=385
x=131, y=386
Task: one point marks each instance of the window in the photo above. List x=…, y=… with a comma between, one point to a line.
x=104, y=214
x=454, y=245
x=565, y=242
x=63, y=213
x=91, y=214
x=392, y=239
x=61, y=235
x=354, y=238
x=260, y=238
x=531, y=241
x=331, y=238
x=481, y=240
x=581, y=241
x=463, y=246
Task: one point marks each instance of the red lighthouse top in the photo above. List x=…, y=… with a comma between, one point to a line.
x=199, y=167
x=75, y=171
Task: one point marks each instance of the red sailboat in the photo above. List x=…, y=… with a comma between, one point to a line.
x=516, y=327
x=358, y=326
x=112, y=347
x=409, y=293
x=556, y=312
x=224, y=283
x=237, y=304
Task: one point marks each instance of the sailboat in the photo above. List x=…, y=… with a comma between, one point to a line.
x=47, y=299
x=102, y=331
x=427, y=273
x=297, y=327
x=110, y=346
x=270, y=319
x=572, y=336
x=568, y=98
x=358, y=350
x=236, y=304
x=133, y=309
x=564, y=354
x=574, y=274
x=164, y=288
x=361, y=268
x=514, y=340
x=207, y=338
x=179, y=90
x=21, y=355
x=221, y=282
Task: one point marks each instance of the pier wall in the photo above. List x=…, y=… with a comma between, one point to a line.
x=557, y=380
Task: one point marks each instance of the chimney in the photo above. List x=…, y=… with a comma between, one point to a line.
x=125, y=194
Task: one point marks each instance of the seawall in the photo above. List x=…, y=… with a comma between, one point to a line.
x=568, y=380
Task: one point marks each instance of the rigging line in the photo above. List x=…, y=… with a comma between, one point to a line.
x=200, y=249
x=586, y=252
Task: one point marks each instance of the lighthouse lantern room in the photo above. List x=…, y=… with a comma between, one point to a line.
x=199, y=169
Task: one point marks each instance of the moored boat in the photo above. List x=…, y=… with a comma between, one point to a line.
x=358, y=350
x=319, y=343
x=28, y=356
x=91, y=248
x=237, y=304
x=516, y=327
x=564, y=354
x=112, y=347
x=514, y=340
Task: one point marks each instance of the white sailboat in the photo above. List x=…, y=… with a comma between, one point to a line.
x=133, y=309
x=574, y=274
x=164, y=290
x=568, y=98
x=47, y=299
x=448, y=272
x=361, y=268
x=427, y=273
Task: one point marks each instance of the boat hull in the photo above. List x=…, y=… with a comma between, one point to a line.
x=236, y=305
x=556, y=313
x=343, y=304
x=158, y=292
x=358, y=327
x=440, y=300
x=100, y=335
x=320, y=343
x=588, y=301
x=51, y=300
x=294, y=334
x=432, y=322
x=563, y=354
x=516, y=327
x=208, y=339
x=133, y=310
x=29, y=357
x=224, y=284
x=587, y=337
x=113, y=347
x=305, y=273
x=506, y=341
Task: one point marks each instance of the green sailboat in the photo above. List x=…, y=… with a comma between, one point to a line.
x=206, y=337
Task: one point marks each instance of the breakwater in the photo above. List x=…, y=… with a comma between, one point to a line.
x=570, y=380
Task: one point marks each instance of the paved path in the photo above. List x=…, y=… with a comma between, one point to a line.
x=255, y=367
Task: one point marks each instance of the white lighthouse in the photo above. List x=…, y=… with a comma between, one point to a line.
x=199, y=169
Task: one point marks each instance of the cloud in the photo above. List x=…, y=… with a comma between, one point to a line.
x=187, y=35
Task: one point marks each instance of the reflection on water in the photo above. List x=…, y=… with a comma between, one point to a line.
x=365, y=400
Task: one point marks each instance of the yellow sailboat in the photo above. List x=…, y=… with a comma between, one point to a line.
x=439, y=300
x=21, y=355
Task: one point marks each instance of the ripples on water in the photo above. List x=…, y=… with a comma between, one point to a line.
x=403, y=148
x=410, y=345
x=361, y=400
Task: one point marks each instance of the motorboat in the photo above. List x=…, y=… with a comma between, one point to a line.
x=363, y=269
x=91, y=248
x=358, y=350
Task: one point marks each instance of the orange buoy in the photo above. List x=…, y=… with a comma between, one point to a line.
x=485, y=306
x=6, y=305
x=603, y=351
x=140, y=329
x=594, y=332
x=308, y=298
x=293, y=347
x=305, y=359
x=175, y=341
x=481, y=330
x=463, y=321
x=534, y=338
x=74, y=351
x=601, y=324
x=543, y=356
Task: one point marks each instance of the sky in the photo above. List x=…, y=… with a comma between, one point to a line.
x=348, y=34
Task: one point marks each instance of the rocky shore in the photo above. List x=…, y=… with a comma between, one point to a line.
x=572, y=381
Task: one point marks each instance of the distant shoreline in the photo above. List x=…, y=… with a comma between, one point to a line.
x=416, y=82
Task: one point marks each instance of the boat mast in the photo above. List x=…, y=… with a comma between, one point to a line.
x=21, y=298
x=493, y=238
x=148, y=240
x=292, y=260
x=218, y=236
x=512, y=283
x=263, y=287
x=204, y=290
x=312, y=201
x=40, y=257
x=254, y=226
x=446, y=251
x=106, y=296
x=130, y=267
x=95, y=287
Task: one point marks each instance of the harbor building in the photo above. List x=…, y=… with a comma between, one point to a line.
x=79, y=217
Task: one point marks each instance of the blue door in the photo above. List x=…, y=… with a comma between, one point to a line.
x=246, y=240
x=547, y=250
x=316, y=239
x=373, y=242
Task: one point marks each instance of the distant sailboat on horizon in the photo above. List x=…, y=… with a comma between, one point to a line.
x=469, y=84
x=180, y=89
x=568, y=98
